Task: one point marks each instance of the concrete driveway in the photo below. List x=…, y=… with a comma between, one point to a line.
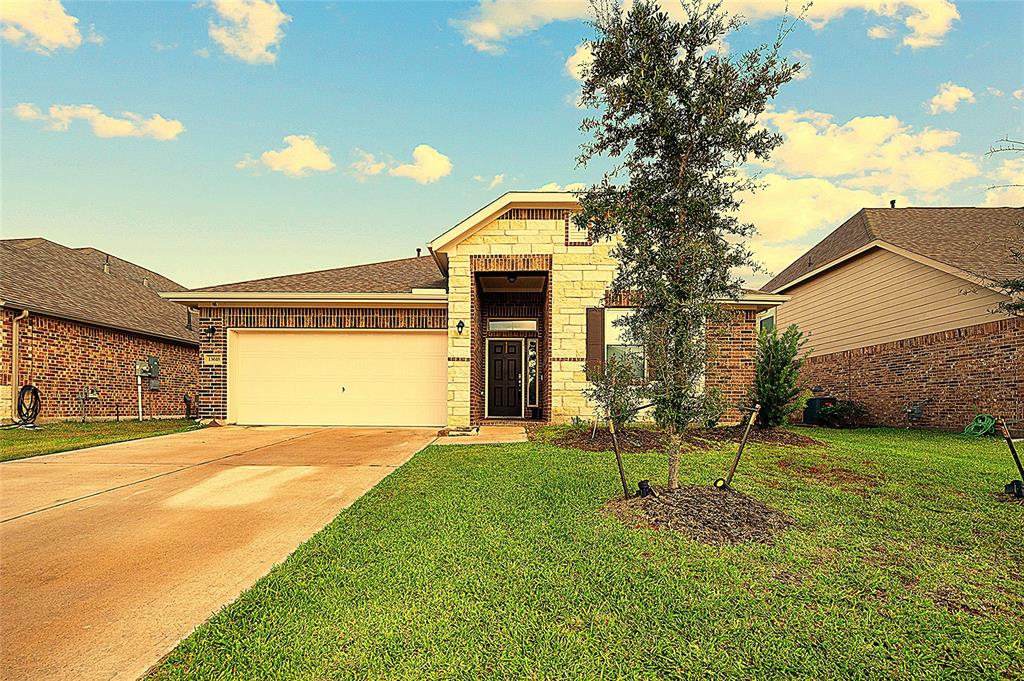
x=111, y=555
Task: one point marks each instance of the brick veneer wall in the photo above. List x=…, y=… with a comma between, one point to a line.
x=215, y=322
x=953, y=375
x=62, y=357
x=731, y=364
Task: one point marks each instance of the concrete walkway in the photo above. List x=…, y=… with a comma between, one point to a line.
x=111, y=555
x=486, y=435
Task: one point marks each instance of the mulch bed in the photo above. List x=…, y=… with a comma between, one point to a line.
x=651, y=440
x=705, y=514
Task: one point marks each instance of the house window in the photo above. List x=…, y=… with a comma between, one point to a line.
x=766, y=321
x=532, y=374
x=511, y=324
x=615, y=346
x=576, y=235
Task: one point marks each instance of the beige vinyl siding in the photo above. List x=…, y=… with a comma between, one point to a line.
x=880, y=297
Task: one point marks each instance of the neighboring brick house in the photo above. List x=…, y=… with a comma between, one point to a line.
x=80, y=319
x=901, y=313
x=496, y=323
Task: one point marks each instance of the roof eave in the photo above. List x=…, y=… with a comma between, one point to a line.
x=36, y=309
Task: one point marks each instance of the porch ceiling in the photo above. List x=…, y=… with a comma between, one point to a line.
x=512, y=282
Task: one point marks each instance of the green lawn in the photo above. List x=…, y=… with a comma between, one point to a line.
x=496, y=562
x=18, y=443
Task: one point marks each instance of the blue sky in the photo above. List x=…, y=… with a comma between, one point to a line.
x=896, y=105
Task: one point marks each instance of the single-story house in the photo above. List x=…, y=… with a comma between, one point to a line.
x=495, y=323
x=902, y=314
x=77, y=320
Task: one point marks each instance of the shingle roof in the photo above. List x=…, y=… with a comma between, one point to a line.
x=975, y=240
x=391, y=276
x=70, y=283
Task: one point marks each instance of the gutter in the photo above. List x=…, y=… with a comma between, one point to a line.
x=428, y=297
x=14, y=363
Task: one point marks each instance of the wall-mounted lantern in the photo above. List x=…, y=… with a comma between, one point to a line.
x=460, y=326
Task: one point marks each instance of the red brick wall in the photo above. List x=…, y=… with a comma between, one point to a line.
x=213, y=378
x=61, y=357
x=733, y=347
x=953, y=375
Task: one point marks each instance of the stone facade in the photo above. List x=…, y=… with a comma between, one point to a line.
x=61, y=357
x=578, y=275
x=215, y=322
x=951, y=375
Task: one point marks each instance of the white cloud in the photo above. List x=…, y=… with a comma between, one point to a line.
x=94, y=38
x=28, y=112
x=490, y=182
x=949, y=96
x=994, y=91
x=366, y=164
x=60, y=116
x=868, y=152
x=428, y=165
x=1018, y=94
x=249, y=30
x=492, y=23
x=165, y=47
x=579, y=61
x=41, y=26
x=555, y=187
x=300, y=157
x=203, y=52
x=1009, y=172
x=805, y=64
x=880, y=32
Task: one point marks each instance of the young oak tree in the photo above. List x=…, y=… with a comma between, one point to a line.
x=678, y=119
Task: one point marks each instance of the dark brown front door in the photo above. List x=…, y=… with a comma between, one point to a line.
x=505, y=378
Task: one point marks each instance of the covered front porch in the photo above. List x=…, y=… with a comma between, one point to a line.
x=511, y=346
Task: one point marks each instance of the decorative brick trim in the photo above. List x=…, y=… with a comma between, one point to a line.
x=569, y=359
x=332, y=318
x=459, y=359
x=619, y=299
x=510, y=263
x=588, y=242
x=534, y=214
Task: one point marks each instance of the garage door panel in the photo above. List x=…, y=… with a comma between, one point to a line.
x=296, y=378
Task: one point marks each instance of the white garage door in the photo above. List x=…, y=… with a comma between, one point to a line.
x=346, y=378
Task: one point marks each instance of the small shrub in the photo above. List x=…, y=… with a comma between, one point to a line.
x=843, y=414
x=777, y=386
x=615, y=389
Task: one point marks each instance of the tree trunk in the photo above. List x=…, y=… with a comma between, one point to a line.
x=674, y=447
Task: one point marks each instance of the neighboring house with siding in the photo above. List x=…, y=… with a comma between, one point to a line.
x=901, y=313
x=496, y=323
x=77, y=319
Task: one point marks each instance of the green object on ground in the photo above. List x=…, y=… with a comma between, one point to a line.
x=981, y=425
x=63, y=436
x=497, y=562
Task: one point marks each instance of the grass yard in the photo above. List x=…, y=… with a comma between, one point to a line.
x=497, y=562
x=18, y=443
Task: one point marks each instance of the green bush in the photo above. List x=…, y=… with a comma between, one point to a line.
x=777, y=386
x=843, y=414
x=714, y=406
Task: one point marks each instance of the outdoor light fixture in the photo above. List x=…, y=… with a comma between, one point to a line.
x=209, y=332
x=512, y=278
x=460, y=326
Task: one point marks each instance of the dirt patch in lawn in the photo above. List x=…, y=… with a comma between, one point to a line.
x=833, y=476
x=653, y=440
x=703, y=513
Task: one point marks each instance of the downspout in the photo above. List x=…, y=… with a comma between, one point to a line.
x=14, y=363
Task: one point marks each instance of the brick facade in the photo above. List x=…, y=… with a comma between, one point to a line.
x=952, y=375
x=62, y=357
x=215, y=322
x=731, y=364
